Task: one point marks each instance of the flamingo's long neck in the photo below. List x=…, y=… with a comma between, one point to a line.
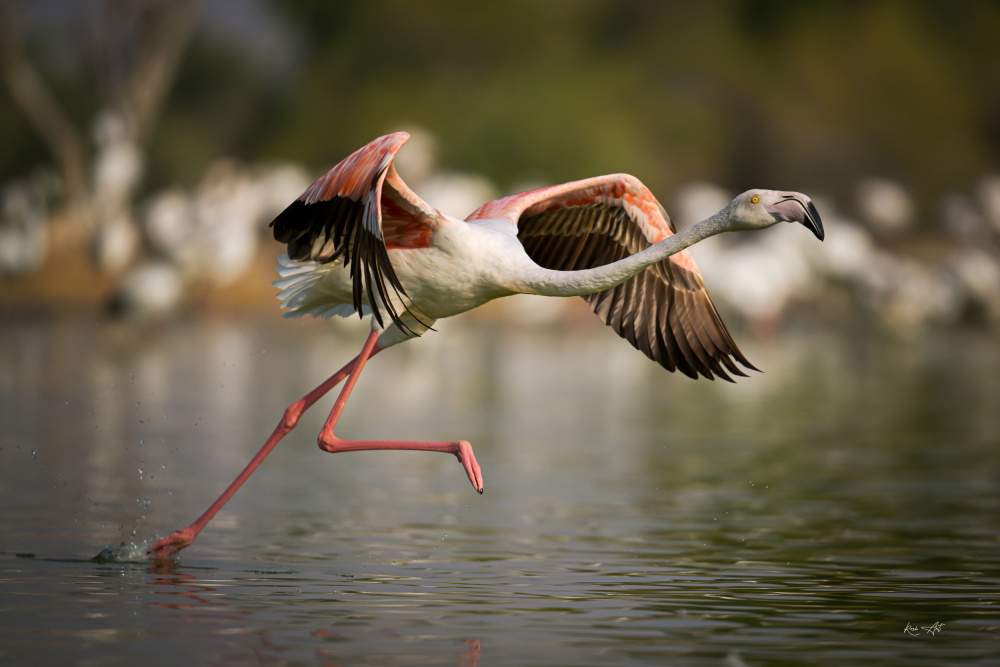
x=587, y=281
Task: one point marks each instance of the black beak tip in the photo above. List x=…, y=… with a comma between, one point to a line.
x=813, y=222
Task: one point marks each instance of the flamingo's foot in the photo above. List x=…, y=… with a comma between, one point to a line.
x=463, y=452
x=172, y=543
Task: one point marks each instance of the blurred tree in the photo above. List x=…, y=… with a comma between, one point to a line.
x=130, y=54
x=40, y=107
x=812, y=96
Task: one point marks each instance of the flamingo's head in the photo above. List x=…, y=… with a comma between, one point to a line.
x=757, y=209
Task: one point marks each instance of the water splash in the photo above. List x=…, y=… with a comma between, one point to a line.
x=126, y=552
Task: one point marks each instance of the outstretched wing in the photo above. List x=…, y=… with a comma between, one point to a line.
x=664, y=310
x=355, y=213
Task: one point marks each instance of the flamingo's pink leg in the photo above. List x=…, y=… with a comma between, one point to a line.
x=329, y=442
x=179, y=539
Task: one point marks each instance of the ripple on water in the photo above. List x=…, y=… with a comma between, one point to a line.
x=618, y=527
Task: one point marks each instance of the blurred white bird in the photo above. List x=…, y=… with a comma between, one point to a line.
x=23, y=228
x=885, y=206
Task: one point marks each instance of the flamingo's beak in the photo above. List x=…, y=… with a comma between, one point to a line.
x=796, y=207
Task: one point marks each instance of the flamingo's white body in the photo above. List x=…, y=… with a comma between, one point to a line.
x=463, y=269
x=360, y=241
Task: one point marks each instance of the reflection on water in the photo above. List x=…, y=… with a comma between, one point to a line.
x=835, y=508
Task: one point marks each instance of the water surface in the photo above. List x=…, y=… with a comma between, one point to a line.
x=841, y=507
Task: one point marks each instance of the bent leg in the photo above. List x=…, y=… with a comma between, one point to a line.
x=329, y=442
x=181, y=538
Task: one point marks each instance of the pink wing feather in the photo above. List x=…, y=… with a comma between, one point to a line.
x=355, y=213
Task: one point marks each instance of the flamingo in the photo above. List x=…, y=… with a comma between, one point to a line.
x=359, y=241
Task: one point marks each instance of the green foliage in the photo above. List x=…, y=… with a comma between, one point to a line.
x=808, y=96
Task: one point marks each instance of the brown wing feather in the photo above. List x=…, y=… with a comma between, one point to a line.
x=664, y=310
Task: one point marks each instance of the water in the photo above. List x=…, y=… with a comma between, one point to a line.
x=843, y=507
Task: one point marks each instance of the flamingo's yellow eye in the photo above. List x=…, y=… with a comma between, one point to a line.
x=754, y=199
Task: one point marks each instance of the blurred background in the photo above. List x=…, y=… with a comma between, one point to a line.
x=850, y=490
x=147, y=143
